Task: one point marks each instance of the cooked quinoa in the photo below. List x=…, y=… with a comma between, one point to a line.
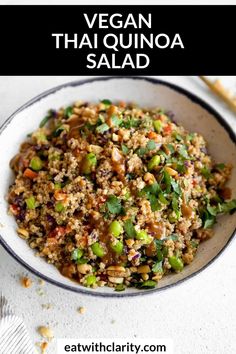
x=116, y=195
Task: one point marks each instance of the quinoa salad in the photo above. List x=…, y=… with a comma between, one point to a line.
x=116, y=195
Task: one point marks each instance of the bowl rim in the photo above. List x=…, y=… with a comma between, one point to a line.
x=194, y=98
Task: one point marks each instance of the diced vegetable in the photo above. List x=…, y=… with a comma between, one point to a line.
x=117, y=247
x=148, y=284
x=157, y=125
x=154, y=162
x=90, y=280
x=98, y=250
x=59, y=207
x=36, y=163
x=88, y=163
x=120, y=287
x=31, y=202
x=143, y=235
x=115, y=228
x=176, y=263
x=30, y=174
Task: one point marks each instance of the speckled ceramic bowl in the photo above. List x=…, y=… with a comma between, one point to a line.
x=190, y=111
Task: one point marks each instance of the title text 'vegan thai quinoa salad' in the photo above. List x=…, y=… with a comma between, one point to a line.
x=116, y=195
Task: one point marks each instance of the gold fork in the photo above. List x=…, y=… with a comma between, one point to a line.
x=218, y=89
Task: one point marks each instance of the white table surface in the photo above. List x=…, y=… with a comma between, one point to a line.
x=199, y=315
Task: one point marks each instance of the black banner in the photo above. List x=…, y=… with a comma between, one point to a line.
x=140, y=40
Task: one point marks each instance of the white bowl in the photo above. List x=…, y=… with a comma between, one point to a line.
x=189, y=110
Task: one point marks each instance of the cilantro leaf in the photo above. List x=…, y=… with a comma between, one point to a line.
x=183, y=152
x=124, y=149
x=114, y=204
x=220, y=166
x=151, y=145
x=155, y=205
x=171, y=148
x=116, y=121
x=106, y=102
x=129, y=228
x=157, y=267
x=102, y=128
x=175, y=186
x=206, y=172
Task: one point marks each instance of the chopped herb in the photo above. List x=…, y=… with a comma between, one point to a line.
x=148, y=284
x=175, y=186
x=141, y=151
x=177, y=136
x=157, y=267
x=131, y=123
x=76, y=254
x=162, y=153
x=175, y=206
x=220, y=166
x=106, y=103
x=155, y=205
x=206, y=172
x=151, y=145
x=194, y=244
x=171, y=148
x=228, y=207
x=124, y=149
x=58, y=131
x=183, y=152
x=102, y=128
x=190, y=137
x=114, y=205
x=162, y=198
x=167, y=181
x=116, y=121
x=68, y=111
x=129, y=229
x=212, y=210
x=45, y=120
